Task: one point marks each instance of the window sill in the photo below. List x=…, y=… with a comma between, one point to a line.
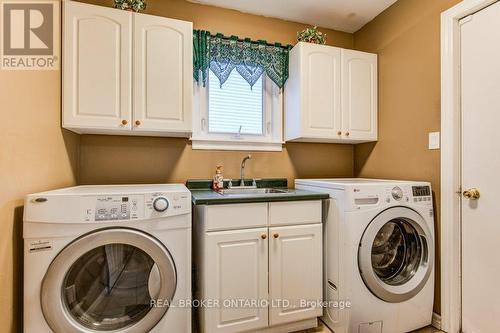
x=204, y=144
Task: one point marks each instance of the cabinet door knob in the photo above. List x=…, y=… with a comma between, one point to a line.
x=137, y=123
x=346, y=133
x=339, y=133
x=276, y=235
x=124, y=122
x=263, y=236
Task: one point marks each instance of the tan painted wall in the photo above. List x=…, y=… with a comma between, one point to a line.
x=107, y=159
x=407, y=39
x=35, y=155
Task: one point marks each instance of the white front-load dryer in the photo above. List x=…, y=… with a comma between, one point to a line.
x=108, y=259
x=379, y=254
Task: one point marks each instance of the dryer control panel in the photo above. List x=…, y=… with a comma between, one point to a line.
x=108, y=204
x=108, y=208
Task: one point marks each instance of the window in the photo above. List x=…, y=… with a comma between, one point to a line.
x=235, y=116
x=235, y=107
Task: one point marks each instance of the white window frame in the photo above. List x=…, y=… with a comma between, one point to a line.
x=271, y=140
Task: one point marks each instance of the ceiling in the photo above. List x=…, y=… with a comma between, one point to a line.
x=343, y=15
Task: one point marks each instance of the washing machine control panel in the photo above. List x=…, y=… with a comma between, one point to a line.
x=404, y=194
x=421, y=194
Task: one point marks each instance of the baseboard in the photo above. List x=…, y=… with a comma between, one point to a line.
x=436, y=320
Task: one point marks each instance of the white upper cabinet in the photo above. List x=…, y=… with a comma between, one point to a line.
x=312, y=95
x=359, y=95
x=97, y=68
x=126, y=73
x=331, y=95
x=163, y=68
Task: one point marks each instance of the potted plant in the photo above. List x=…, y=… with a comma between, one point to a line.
x=311, y=35
x=131, y=5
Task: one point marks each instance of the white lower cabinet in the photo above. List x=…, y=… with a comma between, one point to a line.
x=238, y=261
x=258, y=277
x=295, y=273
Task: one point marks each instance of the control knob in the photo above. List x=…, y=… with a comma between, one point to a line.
x=160, y=204
x=397, y=193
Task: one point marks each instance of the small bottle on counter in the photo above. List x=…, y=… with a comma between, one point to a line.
x=218, y=183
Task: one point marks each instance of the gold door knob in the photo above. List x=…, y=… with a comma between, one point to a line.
x=472, y=194
x=124, y=122
x=347, y=133
x=276, y=235
x=137, y=123
x=263, y=236
x=339, y=133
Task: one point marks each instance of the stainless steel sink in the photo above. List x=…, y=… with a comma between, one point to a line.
x=251, y=191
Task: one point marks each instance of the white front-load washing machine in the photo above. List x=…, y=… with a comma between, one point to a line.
x=379, y=254
x=108, y=259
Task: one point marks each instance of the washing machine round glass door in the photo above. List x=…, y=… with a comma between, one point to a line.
x=396, y=254
x=109, y=280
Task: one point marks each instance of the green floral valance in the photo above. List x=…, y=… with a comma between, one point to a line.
x=250, y=58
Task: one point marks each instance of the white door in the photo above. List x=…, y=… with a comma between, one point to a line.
x=236, y=272
x=97, y=69
x=480, y=82
x=359, y=95
x=321, y=91
x=163, y=60
x=295, y=273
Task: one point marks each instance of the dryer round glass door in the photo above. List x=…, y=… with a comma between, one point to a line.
x=396, y=254
x=106, y=281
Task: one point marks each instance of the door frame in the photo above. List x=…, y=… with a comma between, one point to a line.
x=451, y=309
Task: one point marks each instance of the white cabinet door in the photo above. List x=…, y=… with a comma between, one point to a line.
x=295, y=273
x=236, y=269
x=312, y=97
x=97, y=67
x=163, y=60
x=359, y=95
x=321, y=75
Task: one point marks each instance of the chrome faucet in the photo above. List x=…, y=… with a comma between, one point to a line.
x=242, y=171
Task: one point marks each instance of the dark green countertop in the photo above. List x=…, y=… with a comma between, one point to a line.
x=201, y=193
